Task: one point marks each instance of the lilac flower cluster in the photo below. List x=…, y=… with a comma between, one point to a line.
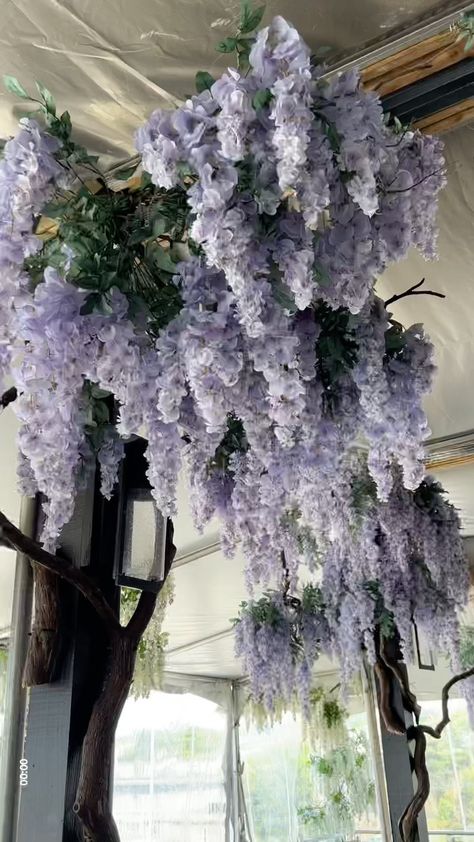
x=394, y=563
x=279, y=639
x=280, y=365
x=300, y=195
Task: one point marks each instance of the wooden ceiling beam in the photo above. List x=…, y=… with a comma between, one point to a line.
x=447, y=119
x=417, y=62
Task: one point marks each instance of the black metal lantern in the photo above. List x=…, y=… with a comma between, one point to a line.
x=140, y=556
x=423, y=652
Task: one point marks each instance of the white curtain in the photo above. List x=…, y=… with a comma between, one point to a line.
x=173, y=760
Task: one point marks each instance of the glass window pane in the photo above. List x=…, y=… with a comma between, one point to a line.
x=296, y=792
x=450, y=762
x=169, y=779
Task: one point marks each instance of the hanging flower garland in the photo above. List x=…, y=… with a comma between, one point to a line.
x=226, y=310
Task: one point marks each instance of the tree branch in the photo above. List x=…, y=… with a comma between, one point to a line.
x=407, y=824
x=416, y=184
x=392, y=721
x=408, y=821
x=438, y=730
x=46, y=638
x=414, y=290
x=92, y=804
x=409, y=699
x=16, y=540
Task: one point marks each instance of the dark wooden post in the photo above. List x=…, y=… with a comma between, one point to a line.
x=58, y=713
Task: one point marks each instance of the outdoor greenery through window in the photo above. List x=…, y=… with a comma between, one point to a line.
x=296, y=791
x=450, y=808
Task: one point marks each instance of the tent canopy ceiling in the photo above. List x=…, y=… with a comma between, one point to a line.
x=110, y=65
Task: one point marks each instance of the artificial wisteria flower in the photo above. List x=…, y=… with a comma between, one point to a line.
x=226, y=312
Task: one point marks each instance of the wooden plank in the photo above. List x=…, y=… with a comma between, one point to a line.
x=415, y=63
x=407, y=55
x=449, y=118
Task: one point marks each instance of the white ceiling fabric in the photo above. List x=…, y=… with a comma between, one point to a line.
x=111, y=63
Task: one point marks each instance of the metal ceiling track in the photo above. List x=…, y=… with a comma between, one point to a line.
x=450, y=451
x=438, y=24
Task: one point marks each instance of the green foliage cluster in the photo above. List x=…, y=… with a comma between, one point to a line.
x=467, y=647
x=345, y=789
x=336, y=344
x=128, y=239
x=233, y=441
x=241, y=43
x=429, y=497
x=383, y=617
x=465, y=28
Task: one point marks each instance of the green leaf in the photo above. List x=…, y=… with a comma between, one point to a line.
x=322, y=51
x=469, y=44
x=262, y=99
x=98, y=393
x=250, y=18
x=160, y=225
x=204, y=81
x=332, y=136
x=162, y=259
x=321, y=276
x=66, y=124
x=228, y=45
x=47, y=98
x=282, y=294
x=139, y=235
x=124, y=175
x=101, y=413
x=14, y=87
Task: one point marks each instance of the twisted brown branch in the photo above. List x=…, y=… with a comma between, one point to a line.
x=45, y=643
x=414, y=290
x=15, y=539
x=408, y=821
x=438, y=730
x=407, y=824
x=398, y=669
x=392, y=721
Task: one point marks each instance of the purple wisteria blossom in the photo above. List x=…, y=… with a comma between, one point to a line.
x=278, y=381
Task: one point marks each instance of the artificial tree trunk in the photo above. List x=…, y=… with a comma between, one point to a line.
x=45, y=642
x=389, y=669
x=92, y=804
